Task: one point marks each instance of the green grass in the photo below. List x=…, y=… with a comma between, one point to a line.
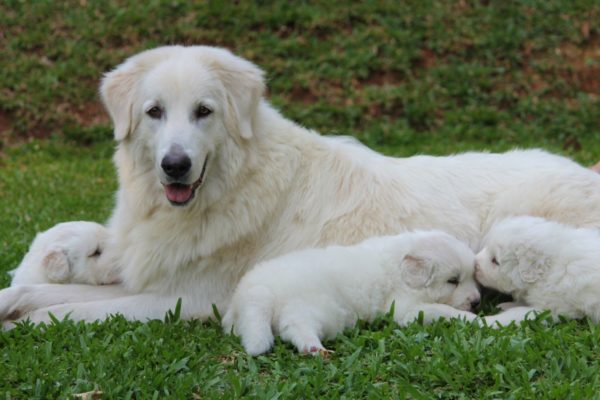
x=416, y=77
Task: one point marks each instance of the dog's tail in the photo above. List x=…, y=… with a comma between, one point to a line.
x=250, y=315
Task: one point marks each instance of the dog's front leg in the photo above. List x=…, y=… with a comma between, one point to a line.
x=16, y=301
x=509, y=304
x=432, y=312
x=139, y=307
x=515, y=314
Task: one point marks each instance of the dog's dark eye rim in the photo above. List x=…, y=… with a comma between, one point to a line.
x=96, y=252
x=202, y=111
x=155, y=112
x=495, y=261
x=453, y=281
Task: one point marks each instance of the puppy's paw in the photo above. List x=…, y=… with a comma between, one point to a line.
x=507, y=305
x=227, y=323
x=493, y=322
x=257, y=345
x=314, y=349
x=322, y=352
x=467, y=316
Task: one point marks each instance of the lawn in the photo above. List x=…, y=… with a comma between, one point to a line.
x=405, y=78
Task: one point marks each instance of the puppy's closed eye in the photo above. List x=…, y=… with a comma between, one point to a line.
x=453, y=281
x=96, y=253
x=495, y=261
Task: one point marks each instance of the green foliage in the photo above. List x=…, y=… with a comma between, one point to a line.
x=404, y=77
x=394, y=74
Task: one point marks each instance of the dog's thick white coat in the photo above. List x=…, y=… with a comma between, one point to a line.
x=271, y=187
x=312, y=294
x=544, y=265
x=66, y=253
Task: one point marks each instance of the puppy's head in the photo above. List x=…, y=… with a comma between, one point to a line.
x=441, y=267
x=67, y=253
x=515, y=254
x=178, y=107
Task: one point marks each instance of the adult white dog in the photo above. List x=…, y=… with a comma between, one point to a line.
x=213, y=180
x=312, y=294
x=544, y=265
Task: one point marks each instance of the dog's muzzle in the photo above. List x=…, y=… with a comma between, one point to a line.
x=178, y=193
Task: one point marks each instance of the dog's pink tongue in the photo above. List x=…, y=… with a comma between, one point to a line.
x=178, y=193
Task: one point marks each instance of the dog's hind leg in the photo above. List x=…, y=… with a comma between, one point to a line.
x=251, y=315
x=301, y=329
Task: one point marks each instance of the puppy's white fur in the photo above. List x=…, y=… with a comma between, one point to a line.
x=312, y=294
x=66, y=253
x=270, y=187
x=544, y=265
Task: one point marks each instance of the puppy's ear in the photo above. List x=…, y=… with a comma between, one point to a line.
x=244, y=86
x=57, y=267
x=532, y=264
x=416, y=272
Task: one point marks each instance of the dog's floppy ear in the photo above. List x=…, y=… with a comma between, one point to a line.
x=244, y=86
x=117, y=91
x=416, y=272
x=57, y=267
x=531, y=264
x=119, y=88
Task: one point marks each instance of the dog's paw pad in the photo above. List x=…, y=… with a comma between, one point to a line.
x=317, y=350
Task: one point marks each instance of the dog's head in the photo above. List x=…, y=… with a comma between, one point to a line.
x=442, y=267
x=515, y=254
x=66, y=253
x=181, y=105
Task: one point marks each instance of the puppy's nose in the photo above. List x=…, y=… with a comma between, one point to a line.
x=475, y=303
x=176, y=163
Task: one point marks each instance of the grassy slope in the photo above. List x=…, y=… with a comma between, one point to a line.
x=417, y=77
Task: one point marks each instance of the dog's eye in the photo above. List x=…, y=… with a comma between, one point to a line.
x=453, y=281
x=495, y=261
x=155, y=112
x=202, y=111
x=96, y=253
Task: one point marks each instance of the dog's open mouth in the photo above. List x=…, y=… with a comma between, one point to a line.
x=180, y=194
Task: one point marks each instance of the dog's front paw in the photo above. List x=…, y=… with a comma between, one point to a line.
x=507, y=305
x=318, y=350
x=12, y=302
x=515, y=314
x=257, y=345
x=493, y=321
x=43, y=315
x=467, y=316
x=57, y=313
x=36, y=317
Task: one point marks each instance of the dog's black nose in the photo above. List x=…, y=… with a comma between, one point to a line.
x=475, y=303
x=176, y=163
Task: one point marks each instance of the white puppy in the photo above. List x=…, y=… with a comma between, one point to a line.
x=544, y=265
x=313, y=294
x=66, y=253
